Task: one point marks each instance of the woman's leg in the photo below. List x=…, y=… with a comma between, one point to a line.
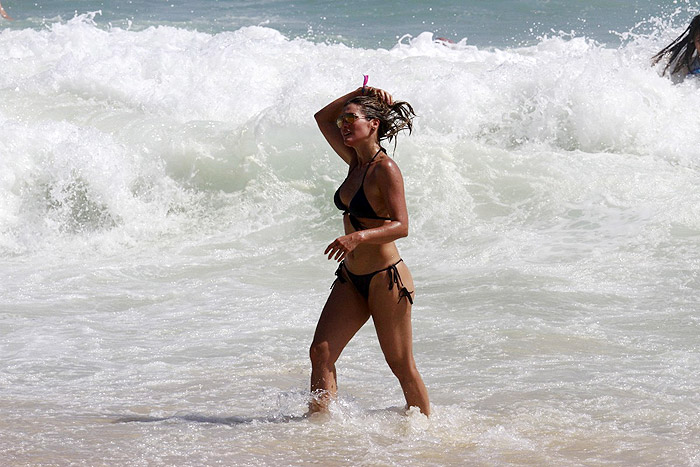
x=343, y=315
x=392, y=320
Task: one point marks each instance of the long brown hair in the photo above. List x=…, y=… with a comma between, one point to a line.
x=392, y=118
x=681, y=51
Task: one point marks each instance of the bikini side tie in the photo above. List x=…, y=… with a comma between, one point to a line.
x=395, y=278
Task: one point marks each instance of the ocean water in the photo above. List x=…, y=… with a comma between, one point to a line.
x=165, y=200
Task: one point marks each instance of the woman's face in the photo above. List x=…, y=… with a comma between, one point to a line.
x=359, y=130
x=696, y=41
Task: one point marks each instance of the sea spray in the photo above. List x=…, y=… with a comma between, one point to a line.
x=202, y=113
x=166, y=198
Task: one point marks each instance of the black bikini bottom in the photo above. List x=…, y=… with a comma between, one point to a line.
x=362, y=281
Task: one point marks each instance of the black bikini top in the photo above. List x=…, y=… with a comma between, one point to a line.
x=359, y=204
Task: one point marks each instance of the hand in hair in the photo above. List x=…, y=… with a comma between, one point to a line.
x=382, y=95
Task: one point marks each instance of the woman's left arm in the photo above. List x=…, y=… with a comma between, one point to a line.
x=390, y=183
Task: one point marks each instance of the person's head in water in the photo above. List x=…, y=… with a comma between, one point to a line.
x=392, y=118
x=681, y=51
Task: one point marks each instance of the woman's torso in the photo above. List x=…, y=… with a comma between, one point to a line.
x=360, y=187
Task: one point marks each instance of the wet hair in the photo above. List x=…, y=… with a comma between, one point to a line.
x=680, y=52
x=392, y=118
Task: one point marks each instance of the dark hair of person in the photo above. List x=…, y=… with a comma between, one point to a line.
x=392, y=118
x=680, y=52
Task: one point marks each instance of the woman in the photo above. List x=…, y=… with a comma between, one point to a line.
x=372, y=280
x=682, y=52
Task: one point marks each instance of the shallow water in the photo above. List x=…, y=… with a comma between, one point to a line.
x=165, y=202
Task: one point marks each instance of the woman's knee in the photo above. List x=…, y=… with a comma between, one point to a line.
x=403, y=367
x=320, y=353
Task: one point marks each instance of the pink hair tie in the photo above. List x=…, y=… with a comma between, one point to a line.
x=364, y=84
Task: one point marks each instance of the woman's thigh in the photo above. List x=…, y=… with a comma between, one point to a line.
x=343, y=315
x=391, y=315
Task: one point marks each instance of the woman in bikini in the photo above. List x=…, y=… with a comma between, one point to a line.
x=372, y=280
x=683, y=53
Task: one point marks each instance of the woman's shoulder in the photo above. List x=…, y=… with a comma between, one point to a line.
x=386, y=169
x=387, y=163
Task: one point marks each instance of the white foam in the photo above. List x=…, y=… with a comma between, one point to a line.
x=165, y=198
x=184, y=110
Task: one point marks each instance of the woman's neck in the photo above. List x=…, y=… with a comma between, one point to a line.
x=366, y=153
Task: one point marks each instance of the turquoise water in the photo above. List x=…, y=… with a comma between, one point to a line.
x=165, y=200
x=372, y=24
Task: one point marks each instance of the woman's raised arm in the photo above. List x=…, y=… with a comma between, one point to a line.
x=326, y=117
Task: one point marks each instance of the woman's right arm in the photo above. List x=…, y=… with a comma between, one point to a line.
x=325, y=118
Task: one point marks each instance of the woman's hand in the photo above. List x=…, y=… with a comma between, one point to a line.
x=341, y=246
x=381, y=94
